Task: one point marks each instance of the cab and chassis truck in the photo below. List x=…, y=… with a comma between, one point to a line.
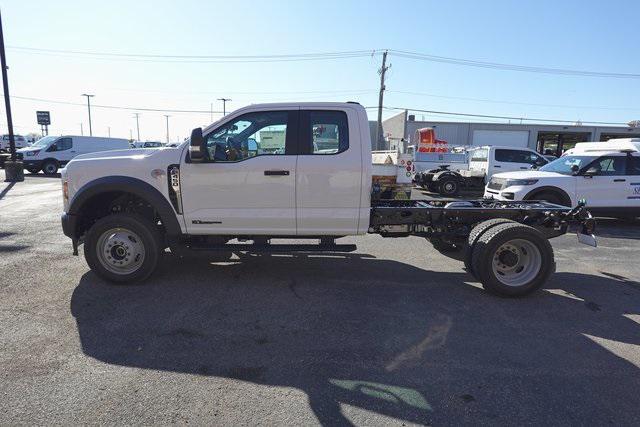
x=231, y=188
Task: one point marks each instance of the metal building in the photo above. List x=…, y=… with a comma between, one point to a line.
x=399, y=131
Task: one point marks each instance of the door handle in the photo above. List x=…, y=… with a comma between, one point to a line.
x=619, y=180
x=522, y=167
x=276, y=173
x=497, y=166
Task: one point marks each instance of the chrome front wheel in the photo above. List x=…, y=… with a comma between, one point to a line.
x=121, y=251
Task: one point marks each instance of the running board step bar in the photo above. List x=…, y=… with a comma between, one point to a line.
x=239, y=247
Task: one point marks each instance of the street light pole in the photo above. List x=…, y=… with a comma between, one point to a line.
x=224, y=105
x=81, y=129
x=167, y=116
x=89, y=109
x=137, y=125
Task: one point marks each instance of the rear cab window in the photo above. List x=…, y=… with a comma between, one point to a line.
x=324, y=132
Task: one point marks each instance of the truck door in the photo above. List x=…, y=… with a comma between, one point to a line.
x=608, y=187
x=633, y=181
x=247, y=183
x=329, y=174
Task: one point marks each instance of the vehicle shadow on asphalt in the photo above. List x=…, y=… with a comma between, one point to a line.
x=381, y=335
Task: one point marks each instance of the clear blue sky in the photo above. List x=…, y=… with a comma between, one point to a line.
x=584, y=35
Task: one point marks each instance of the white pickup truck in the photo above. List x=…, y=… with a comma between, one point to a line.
x=293, y=171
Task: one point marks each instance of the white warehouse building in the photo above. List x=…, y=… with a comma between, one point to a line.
x=549, y=139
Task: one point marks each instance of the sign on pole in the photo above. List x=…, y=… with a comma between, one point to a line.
x=43, y=117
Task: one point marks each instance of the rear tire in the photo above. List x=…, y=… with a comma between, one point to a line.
x=123, y=248
x=512, y=260
x=50, y=167
x=477, y=231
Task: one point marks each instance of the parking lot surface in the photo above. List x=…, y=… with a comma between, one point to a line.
x=392, y=334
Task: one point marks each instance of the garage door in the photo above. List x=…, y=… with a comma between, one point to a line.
x=508, y=138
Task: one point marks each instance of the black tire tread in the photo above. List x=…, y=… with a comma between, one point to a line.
x=147, y=230
x=517, y=231
x=478, y=230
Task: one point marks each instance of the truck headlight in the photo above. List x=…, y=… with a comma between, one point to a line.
x=512, y=182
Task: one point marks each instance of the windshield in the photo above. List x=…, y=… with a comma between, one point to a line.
x=564, y=164
x=43, y=142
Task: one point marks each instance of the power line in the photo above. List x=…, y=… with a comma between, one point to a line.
x=141, y=57
x=317, y=56
x=508, y=67
x=115, y=107
x=499, y=117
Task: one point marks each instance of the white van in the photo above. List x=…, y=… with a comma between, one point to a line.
x=19, y=140
x=53, y=152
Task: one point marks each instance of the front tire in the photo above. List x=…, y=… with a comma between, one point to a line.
x=512, y=260
x=123, y=248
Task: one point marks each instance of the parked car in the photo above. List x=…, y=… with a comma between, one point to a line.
x=229, y=184
x=606, y=174
x=19, y=140
x=53, y=152
x=484, y=162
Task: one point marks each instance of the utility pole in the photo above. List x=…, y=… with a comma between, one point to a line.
x=224, y=106
x=167, y=116
x=137, y=124
x=109, y=131
x=14, y=171
x=81, y=129
x=89, y=96
x=382, y=71
x=130, y=135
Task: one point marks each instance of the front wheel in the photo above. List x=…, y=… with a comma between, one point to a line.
x=123, y=248
x=512, y=259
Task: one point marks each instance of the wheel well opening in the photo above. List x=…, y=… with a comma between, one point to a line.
x=564, y=197
x=103, y=204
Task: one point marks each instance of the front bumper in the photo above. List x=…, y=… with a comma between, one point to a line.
x=514, y=193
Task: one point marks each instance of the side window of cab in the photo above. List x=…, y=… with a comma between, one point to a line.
x=263, y=133
x=61, y=144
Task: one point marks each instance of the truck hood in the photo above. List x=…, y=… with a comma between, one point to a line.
x=28, y=149
x=125, y=161
x=533, y=174
x=126, y=153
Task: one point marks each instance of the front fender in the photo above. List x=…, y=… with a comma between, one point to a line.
x=130, y=185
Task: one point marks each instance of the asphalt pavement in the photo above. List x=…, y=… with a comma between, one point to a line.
x=393, y=334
